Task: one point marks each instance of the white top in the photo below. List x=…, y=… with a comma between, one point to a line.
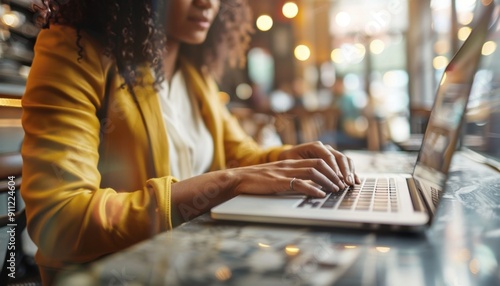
x=190, y=144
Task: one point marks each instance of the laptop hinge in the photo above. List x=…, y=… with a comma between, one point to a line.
x=416, y=199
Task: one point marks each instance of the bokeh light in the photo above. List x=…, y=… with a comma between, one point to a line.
x=440, y=62
x=377, y=46
x=463, y=33
x=264, y=23
x=302, y=52
x=290, y=10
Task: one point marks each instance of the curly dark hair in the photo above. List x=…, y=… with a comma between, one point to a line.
x=132, y=32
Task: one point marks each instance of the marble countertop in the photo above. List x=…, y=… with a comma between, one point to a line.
x=462, y=247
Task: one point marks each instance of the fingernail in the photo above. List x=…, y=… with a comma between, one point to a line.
x=341, y=185
x=321, y=194
x=350, y=179
x=335, y=188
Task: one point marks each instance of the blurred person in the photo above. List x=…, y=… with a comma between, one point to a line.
x=349, y=134
x=125, y=134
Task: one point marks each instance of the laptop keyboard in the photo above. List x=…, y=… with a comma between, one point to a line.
x=435, y=196
x=373, y=194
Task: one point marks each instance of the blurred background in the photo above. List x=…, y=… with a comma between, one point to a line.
x=357, y=74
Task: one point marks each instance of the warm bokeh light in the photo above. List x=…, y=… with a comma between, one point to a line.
x=440, y=62
x=350, y=246
x=244, y=91
x=441, y=47
x=302, y=52
x=264, y=245
x=465, y=18
x=377, y=46
x=290, y=10
x=292, y=250
x=10, y=19
x=337, y=56
x=264, y=23
x=463, y=33
x=383, y=249
x=489, y=48
x=343, y=19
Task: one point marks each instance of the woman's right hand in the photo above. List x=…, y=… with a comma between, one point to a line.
x=312, y=177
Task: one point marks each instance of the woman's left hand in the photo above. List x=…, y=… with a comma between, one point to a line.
x=342, y=165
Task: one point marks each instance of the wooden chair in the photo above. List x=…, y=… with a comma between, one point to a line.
x=254, y=123
x=300, y=125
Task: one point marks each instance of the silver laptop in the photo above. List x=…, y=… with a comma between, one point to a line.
x=386, y=201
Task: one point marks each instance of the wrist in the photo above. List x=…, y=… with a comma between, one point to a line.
x=281, y=156
x=282, y=153
x=277, y=153
x=228, y=181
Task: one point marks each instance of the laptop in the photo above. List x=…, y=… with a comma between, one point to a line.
x=405, y=202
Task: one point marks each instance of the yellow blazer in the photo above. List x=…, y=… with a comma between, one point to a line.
x=94, y=181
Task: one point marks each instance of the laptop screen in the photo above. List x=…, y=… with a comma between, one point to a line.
x=445, y=122
x=482, y=122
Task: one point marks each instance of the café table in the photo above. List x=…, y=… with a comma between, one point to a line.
x=460, y=247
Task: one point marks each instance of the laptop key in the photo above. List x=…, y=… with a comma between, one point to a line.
x=309, y=202
x=332, y=199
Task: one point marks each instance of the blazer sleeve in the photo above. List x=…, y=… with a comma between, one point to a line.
x=240, y=148
x=70, y=218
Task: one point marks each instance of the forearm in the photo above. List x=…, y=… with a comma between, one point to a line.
x=197, y=195
x=87, y=221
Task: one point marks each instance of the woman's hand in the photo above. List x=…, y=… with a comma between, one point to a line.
x=312, y=177
x=341, y=165
x=311, y=169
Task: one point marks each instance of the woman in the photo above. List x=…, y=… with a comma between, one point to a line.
x=126, y=137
